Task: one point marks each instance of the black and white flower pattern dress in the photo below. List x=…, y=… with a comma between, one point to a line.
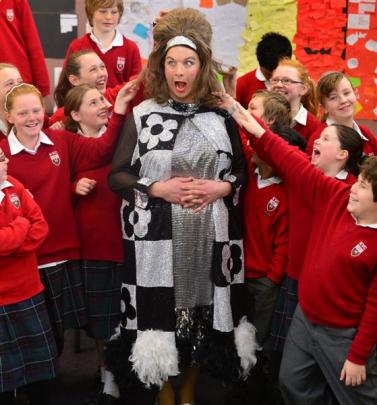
x=184, y=270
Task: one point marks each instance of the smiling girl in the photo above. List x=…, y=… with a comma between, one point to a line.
x=338, y=101
x=96, y=211
x=291, y=79
x=84, y=67
x=45, y=162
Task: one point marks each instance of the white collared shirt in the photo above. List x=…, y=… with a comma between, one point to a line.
x=117, y=41
x=3, y=127
x=99, y=134
x=373, y=226
x=16, y=146
x=260, y=76
x=3, y=185
x=329, y=121
x=301, y=117
x=262, y=183
x=342, y=175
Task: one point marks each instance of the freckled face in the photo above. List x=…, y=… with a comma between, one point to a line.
x=181, y=67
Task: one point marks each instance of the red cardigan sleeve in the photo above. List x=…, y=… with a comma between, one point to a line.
x=34, y=48
x=13, y=235
x=38, y=229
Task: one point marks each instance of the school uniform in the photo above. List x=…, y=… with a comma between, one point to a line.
x=47, y=172
x=337, y=317
x=248, y=84
x=305, y=123
x=121, y=57
x=370, y=140
x=265, y=246
x=27, y=346
x=101, y=249
x=21, y=45
x=300, y=223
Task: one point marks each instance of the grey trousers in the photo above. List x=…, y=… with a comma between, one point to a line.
x=312, y=361
x=263, y=294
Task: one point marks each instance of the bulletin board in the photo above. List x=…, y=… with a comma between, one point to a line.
x=326, y=34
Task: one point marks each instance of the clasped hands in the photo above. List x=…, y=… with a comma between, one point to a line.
x=190, y=192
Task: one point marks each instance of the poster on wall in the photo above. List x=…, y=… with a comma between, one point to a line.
x=226, y=17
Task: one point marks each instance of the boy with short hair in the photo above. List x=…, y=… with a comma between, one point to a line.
x=120, y=55
x=270, y=49
x=332, y=338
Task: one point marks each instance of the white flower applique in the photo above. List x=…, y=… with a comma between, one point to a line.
x=140, y=220
x=157, y=130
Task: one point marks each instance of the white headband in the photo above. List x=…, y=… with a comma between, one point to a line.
x=180, y=40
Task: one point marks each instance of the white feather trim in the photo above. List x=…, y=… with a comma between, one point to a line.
x=154, y=357
x=246, y=344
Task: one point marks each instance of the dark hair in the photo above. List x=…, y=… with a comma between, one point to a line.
x=193, y=25
x=350, y=141
x=72, y=67
x=271, y=48
x=290, y=135
x=368, y=171
x=73, y=101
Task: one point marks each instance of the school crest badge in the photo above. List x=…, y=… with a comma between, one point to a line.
x=15, y=200
x=121, y=63
x=272, y=204
x=10, y=14
x=358, y=249
x=55, y=158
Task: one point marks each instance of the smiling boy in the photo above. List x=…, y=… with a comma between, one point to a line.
x=120, y=55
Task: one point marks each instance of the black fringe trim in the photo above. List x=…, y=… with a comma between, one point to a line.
x=219, y=357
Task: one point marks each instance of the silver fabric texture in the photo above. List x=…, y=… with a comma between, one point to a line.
x=192, y=251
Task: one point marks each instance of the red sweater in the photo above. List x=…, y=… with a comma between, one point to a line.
x=246, y=86
x=22, y=229
x=122, y=62
x=20, y=44
x=312, y=125
x=370, y=147
x=266, y=230
x=338, y=284
x=48, y=175
x=98, y=219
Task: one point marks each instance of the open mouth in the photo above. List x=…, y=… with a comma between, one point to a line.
x=32, y=125
x=100, y=83
x=103, y=114
x=180, y=86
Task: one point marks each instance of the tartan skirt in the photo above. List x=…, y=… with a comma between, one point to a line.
x=282, y=317
x=27, y=346
x=64, y=295
x=102, y=281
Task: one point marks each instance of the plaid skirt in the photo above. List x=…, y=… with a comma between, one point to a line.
x=27, y=345
x=282, y=317
x=64, y=295
x=102, y=281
